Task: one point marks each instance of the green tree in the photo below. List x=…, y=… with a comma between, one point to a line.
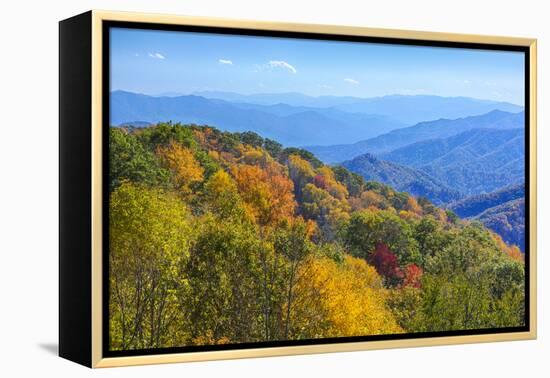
x=164, y=133
x=129, y=160
x=224, y=276
x=472, y=284
x=367, y=227
x=292, y=240
x=149, y=242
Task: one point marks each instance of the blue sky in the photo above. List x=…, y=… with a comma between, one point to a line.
x=158, y=62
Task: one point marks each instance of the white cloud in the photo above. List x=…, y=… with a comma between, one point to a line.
x=282, y=64
x=351, y=81
x=225, y=61
x=156, y=56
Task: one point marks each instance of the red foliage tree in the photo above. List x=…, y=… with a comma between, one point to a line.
x=386, y=264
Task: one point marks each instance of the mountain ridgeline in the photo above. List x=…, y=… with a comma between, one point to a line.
x=473, y=162
x=422, y=131
x=402, y=178
x=289, y=125
x=296, y=119
x=409, y=109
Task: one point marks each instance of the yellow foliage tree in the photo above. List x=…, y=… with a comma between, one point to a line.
x=301, y=173
x=222, y=197
x=182, y=164
x=335, y=188
x=341, y=299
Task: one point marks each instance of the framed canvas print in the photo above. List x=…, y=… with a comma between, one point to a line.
x=236, y=189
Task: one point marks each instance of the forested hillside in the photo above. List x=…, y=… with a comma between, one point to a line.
x=503, y=211
x=473, y=162
x=508, y=220
x=475, y=205
x=219, y=237
x=402, y=178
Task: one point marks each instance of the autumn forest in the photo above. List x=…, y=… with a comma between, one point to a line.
x=219, y=237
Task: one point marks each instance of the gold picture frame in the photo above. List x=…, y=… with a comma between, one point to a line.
x=83, y=318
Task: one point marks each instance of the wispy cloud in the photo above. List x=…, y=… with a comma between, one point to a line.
x=225, y=61
x=351, y=81
x=156, y=55
x=282, y=64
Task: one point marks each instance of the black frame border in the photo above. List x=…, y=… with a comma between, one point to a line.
x=106, y=27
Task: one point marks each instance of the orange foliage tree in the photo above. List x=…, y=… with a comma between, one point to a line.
x=269, y=196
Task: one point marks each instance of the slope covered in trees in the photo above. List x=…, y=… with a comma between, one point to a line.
x=218, y=237
x=503, y=211
x=472, y=162
x=508, y=220
x=402, y=178
x=475, y=205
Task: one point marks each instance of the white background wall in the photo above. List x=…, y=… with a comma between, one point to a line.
x=28, y=186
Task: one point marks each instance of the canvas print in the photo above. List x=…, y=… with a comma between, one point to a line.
x=281, y=190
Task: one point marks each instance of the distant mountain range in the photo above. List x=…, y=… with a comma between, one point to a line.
x=404, y=108
x=503, y=211
x=472, y=162
x=422, y=131
x=294, y=119
x=402, y=178
x=291, y=126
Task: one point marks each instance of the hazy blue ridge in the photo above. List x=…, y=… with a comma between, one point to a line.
x=402, y=178
x=408, y=109
x=473, y=162
x=422, y=131
x=294, y=127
